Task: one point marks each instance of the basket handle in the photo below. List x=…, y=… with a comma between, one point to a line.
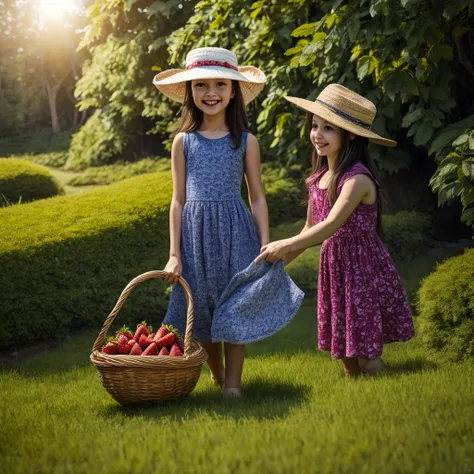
x=128, y=289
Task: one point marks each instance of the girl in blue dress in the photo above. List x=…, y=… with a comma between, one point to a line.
x=213, y=236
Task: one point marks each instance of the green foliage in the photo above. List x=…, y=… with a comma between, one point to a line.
x=406, y=234
x=284, y=191
x=65, y=260
x=259, y=34
x=22, y=181
x=43, y=141
x=412, y=60
x=52, y=159
x=128, y=44
x=446, y=308
x=455, y=174
x=120, y=171
x=39, y=66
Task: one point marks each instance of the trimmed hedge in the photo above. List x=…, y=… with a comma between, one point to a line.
x=66, y=260
x=20, y=179
x=446, y=308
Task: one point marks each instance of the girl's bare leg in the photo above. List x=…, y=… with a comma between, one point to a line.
x=234, y=362
x=215, y=361
x=351, y=366
x=371, y=366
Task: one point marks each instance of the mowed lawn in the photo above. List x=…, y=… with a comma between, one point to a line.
x=299, y=414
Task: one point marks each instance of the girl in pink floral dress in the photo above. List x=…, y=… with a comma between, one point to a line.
x=362, y=304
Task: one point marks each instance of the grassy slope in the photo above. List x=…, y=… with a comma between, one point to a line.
x=299, y=414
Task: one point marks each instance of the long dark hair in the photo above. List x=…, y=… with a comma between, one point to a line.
x=235, y=116
x=351, y=152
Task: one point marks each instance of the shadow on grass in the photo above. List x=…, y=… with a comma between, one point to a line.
x=261, y=400
x=410, y=366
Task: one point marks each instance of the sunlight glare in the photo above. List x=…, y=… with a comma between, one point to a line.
x=56, y=9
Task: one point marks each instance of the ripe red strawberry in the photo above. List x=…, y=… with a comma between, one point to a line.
x=180, y=342
x=141, y=329
x=124, y=331
x=123, y=346
x=167, y=340
x=136, y=349
x=131, y=342
x=164, y=352
x=152, y=349
x=110, y=348
x=163, y=331
x=151, y=336
x=143, y=341
x=175, y=351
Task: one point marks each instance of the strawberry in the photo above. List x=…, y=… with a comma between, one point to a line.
x=175, y=351
x=152, y=349
x=110, y=347
x=124, y=331
x=141, y=329
x=163, y=331
x=136, y=349
x=123, y=345
x=167, y=340
x=164, y=352
x=152, y=336
x=132, y=342
x=180, y=342
x=143, y=341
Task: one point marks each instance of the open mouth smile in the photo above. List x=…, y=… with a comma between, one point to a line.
x=210, y=102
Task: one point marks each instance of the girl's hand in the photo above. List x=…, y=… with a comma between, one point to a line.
x=274, y=251
x=174, y=268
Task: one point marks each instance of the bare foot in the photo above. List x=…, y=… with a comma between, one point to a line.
x=351, y=367
x=372, y=366
x=231, y=392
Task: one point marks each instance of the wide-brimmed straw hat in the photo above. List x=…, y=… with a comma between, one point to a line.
x=210, y=63
x=340, y=106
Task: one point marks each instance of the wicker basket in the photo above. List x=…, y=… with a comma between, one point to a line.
x=137, y=379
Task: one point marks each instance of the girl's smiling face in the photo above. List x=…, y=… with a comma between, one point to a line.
x=326, y=137
x=212, y=95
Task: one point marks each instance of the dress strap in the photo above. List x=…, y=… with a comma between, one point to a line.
x=358, y=168
x=185, y=143
x=316, y=175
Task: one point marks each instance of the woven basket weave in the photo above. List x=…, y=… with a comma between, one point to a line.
x=137, y=379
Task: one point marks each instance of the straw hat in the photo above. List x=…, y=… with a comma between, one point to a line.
x=210, y=63
x=340, y=106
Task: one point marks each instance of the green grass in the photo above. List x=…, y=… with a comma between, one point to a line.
x=299, y=413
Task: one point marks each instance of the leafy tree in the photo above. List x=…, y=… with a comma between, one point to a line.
x=127, y=41
x=412, y=58
x=38, y=69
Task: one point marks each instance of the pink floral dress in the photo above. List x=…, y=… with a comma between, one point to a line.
x=362, y=304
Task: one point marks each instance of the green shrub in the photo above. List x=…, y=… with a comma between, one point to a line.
x=285, y=192
x=120, y=171
x=23, y=181
x=407, y=234
x=66, y=260
x=54, y=159
x=43, y=141
x=446, y=308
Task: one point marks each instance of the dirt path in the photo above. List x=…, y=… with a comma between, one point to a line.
x=64, y=176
